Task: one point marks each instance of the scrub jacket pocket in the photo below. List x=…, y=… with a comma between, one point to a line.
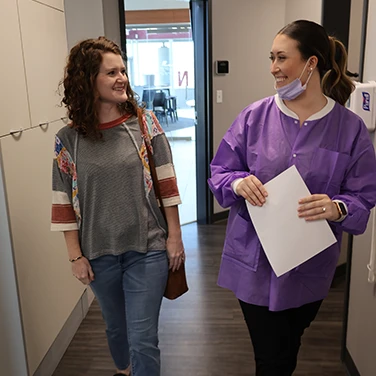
x=242, y=245
x=328, y=169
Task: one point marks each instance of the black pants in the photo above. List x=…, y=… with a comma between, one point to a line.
x=276, y=336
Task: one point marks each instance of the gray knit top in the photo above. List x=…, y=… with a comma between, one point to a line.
x=107, y=177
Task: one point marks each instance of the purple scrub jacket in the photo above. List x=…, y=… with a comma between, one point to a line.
x=333, y=153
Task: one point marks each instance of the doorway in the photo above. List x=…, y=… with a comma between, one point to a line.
x=160, y=59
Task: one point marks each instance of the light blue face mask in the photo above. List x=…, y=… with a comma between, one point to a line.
x=294, y=88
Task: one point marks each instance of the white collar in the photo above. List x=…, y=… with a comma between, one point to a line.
x=318, y=115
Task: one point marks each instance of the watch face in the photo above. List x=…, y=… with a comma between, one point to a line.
x=342, y=207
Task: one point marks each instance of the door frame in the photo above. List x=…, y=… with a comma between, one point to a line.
x=202, y=40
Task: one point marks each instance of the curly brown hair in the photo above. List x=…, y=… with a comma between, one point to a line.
x=80, y=93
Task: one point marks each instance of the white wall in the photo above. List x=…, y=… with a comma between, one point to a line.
x=370, y=55
x=355, y=34
x=243, y=35
x=303, y=9
x=111, y=20
x=84, y=19
x=91, y=19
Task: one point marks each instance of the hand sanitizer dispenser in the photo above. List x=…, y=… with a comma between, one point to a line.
x=363, y=103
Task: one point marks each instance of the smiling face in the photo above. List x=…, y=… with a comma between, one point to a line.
x=112, y=81
x=287, y=63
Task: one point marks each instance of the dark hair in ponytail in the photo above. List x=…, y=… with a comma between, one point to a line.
x=331, y=54
x=335, y=83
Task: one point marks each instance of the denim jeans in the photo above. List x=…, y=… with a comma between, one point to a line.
x=129, y=289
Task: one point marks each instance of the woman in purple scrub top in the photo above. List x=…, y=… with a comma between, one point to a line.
x=305, y=124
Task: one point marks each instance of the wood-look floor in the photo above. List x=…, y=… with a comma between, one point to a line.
x=203, y=333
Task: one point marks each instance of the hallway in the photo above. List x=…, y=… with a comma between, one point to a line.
x=203, y=332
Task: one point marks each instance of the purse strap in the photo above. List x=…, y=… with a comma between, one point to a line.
x=153, y=171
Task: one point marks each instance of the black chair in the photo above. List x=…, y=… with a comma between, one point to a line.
x=171, y=105
x=160, y=105
x=148, y=97
x=172, y=108
x=166, y=91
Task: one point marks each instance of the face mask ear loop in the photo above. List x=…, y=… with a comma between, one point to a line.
x=301, y=74
x=310, y=74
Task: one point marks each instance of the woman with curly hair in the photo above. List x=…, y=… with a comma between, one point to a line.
x=104, y=202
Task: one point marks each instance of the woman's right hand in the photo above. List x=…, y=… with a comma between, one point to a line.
x=252, y=190
x=82, y=270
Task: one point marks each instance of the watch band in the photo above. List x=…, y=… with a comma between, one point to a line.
x=342, y=213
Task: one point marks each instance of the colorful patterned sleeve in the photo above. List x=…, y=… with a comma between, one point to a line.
x=63, y=216
x=163, y=163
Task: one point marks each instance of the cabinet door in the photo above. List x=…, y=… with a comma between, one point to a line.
x=45, y=52
x=14, y=107
x=57, y=4
x=12, y=351
x=48, y=291
x=361, y=323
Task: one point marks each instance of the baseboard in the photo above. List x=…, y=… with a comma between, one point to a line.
x=349, y=364
x=64, y=338
x=86, y=301
x=221, y=216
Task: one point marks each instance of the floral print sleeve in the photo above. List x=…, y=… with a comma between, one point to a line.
x=65, y=205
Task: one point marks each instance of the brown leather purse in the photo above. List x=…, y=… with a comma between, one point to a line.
x=177, y=280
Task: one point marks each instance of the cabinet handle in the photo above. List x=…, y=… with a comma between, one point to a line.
x=15, y=131
x=44, y=126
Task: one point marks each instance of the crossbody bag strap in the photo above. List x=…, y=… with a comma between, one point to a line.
x=153, y=171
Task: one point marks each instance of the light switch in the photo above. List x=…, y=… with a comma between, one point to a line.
x=219, y=96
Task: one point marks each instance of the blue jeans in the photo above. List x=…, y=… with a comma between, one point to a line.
x=129, y=289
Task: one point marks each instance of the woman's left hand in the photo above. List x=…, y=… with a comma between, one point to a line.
x=175, y=252
x=316, y=207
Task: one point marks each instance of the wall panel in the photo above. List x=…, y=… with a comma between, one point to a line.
x=48, y=292
x=45, y=52
x=12, y=349
x=57, y=4
x=13, y=96
x=361, y=329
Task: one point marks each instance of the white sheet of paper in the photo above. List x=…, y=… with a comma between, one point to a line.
x=288, y=240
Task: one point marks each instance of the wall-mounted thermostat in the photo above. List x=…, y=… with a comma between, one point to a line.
x=222, y=67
